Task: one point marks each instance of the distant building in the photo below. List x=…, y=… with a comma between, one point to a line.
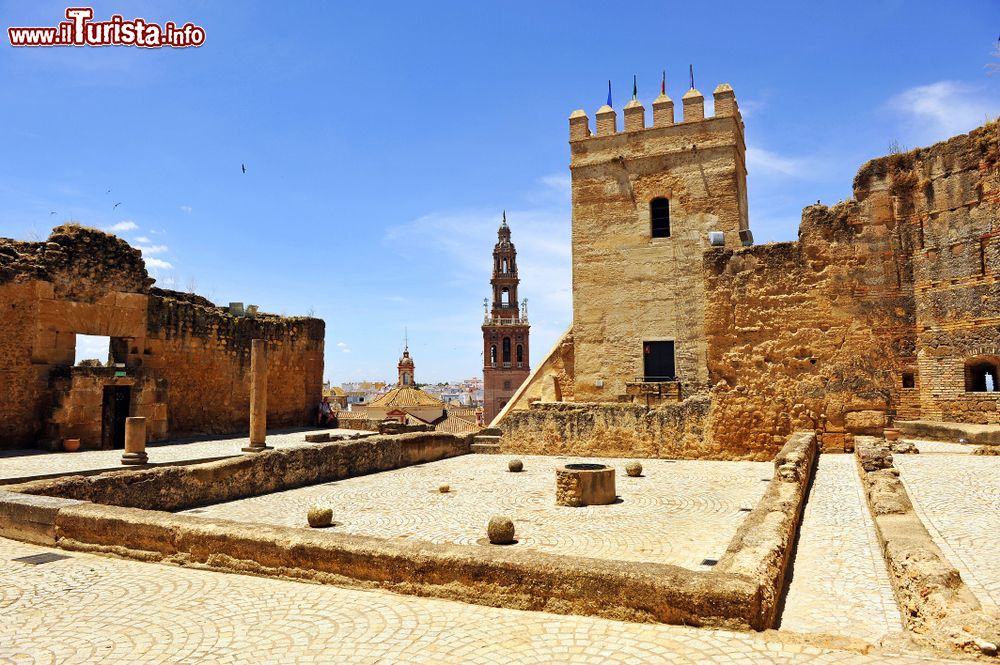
x=410, y=405
x=505, y=330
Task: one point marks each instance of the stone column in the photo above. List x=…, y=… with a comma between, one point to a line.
x=258, y=397
x=135, y=441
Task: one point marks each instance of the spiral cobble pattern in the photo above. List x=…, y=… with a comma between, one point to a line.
x=91, y=609
x=679, y=512
x=957, y=497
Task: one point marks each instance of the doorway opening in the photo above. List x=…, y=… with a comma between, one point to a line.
x=114, y=411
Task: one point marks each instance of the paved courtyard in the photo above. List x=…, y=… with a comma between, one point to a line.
x=679, y=512
x=840, y=585
x=91, y=609
x=957, y=497
x=26, y=463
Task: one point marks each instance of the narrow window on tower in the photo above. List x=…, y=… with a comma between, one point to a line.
x=493, y=355
x=505, y=265
x=659, y=216
x=520, y=356
x=506, y=351
x=505, y=298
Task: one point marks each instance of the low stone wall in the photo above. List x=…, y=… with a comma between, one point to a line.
x=741, y=592
x=934, y=601
x=988, y=435
x=763, y=546
x=614, y=430
x=182, y=487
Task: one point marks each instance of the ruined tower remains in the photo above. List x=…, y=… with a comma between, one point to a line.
x=505, y=330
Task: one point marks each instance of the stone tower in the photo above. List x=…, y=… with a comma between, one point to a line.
x=405, y=366
x=505, y=330
x=645, y=200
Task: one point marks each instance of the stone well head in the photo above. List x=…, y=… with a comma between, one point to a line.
x=585, y=485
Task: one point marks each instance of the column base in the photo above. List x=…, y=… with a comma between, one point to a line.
x=134, y=458
x=256, y=448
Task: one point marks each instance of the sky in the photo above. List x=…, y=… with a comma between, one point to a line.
x=383, y=140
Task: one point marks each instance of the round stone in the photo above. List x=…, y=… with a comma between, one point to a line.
x=633, y=469
x=515, y=465
x=320, y=517
x=500, y=530
x=444, y=489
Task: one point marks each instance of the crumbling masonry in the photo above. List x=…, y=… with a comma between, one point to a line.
x=177, y=359
x=887, y=306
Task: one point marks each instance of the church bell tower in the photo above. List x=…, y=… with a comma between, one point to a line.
x=505, y=329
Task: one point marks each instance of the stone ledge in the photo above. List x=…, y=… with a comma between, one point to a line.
x=182, y=487
x=941, y=431
x=762, y=548
x=30, y=518
x=499, y=577
x=934, y=601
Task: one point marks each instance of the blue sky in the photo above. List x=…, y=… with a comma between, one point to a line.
x=383, y=140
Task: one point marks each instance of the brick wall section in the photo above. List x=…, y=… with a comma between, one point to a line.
x=216, y=397
x=187, y=360
x=802, y=334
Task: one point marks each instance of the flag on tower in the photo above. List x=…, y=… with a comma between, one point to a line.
x=663, y=83
x=609, y=93
x=691, y=74
x=635, y=90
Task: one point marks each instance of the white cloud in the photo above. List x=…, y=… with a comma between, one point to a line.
x=343, y=347
x=151, y=249
x=126, y=225
x=461, y=242
x=766, y=161
x=186, y=208
x=143, y=239
x=158, y=264
x=937, y=111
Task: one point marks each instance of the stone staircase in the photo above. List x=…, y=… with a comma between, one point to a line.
x=487, y=441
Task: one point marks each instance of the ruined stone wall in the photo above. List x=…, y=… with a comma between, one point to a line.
x=629, y=287
x=187, y=360
x=947, y=198
x=20, y=380
x=614, y=430
x=551, y=381
x=820, y=333
x=204, y=355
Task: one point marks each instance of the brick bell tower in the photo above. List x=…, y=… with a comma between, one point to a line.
x=505, y=330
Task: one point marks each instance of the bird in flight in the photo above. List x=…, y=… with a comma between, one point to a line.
x=53, y=212
x=244, y=167
x=108, y=192
x=116, y=205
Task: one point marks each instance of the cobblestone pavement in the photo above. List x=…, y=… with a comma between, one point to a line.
x=957, y=497
x=839, y=585
x=678, y=512
x=91, y=609
x=25, y=463
x=926, y=447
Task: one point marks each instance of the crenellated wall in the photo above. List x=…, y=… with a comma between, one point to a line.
x=628, y=286
x=881, y=310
